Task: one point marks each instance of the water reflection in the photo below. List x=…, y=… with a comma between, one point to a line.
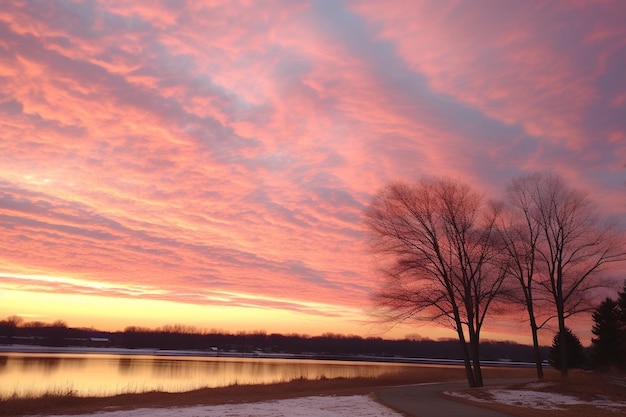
x=44, y=366
x=102, y=375
x=124, y=365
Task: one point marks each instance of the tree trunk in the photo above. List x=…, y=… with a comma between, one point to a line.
x=471, y=380
x=562, y=341
x=538, y=360
x=534, y=330
x=475, y=348
x=466, y=358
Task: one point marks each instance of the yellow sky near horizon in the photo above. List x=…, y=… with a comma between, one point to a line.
x=117, y=313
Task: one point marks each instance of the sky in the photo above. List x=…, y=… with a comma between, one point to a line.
x=208, y=162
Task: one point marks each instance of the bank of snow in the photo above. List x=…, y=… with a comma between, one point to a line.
x=319, y=406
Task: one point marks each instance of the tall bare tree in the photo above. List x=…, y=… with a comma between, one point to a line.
x=567, y=242
x=437, y=243
x=519, y=232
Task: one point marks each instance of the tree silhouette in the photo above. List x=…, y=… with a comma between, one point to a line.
x=8, y=327
x=437, y=247
x=609, y=345
x=575, y=351
x=520, y=233
x=609, y=338
x=573, y=246
x=621, y=306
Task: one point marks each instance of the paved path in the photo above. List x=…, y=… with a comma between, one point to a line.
x=423, y=400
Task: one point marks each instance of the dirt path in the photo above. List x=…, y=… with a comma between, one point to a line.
x=424, y=400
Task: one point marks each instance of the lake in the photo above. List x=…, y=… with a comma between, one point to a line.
x=90, y=374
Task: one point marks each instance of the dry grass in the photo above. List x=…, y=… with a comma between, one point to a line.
x=585, y=385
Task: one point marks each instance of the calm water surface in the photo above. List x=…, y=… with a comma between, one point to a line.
x=102, y=375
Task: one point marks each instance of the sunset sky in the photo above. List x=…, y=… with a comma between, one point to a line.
x=208, y=162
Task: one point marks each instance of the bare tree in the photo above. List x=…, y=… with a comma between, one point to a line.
x=8, y=327
x=567, y=242
x=437, y=244
x=519, y=231
x=14, y=321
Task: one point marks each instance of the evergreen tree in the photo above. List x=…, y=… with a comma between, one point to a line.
x=607, y=351
x=575, y=352
x=621, y=308
x=621, y=304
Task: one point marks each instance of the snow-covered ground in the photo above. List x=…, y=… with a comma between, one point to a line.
x=318, y=406
x=538, y=400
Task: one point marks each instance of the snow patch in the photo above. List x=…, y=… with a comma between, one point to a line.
x=538, y=385
x=319, y=406
x=536, y=400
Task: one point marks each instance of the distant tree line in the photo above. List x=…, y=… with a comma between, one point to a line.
x=180, y=337
x=13, y=330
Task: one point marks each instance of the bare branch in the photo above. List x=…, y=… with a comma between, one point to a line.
x=437, y=240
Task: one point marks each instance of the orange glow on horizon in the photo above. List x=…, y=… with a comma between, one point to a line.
x=117, y=313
